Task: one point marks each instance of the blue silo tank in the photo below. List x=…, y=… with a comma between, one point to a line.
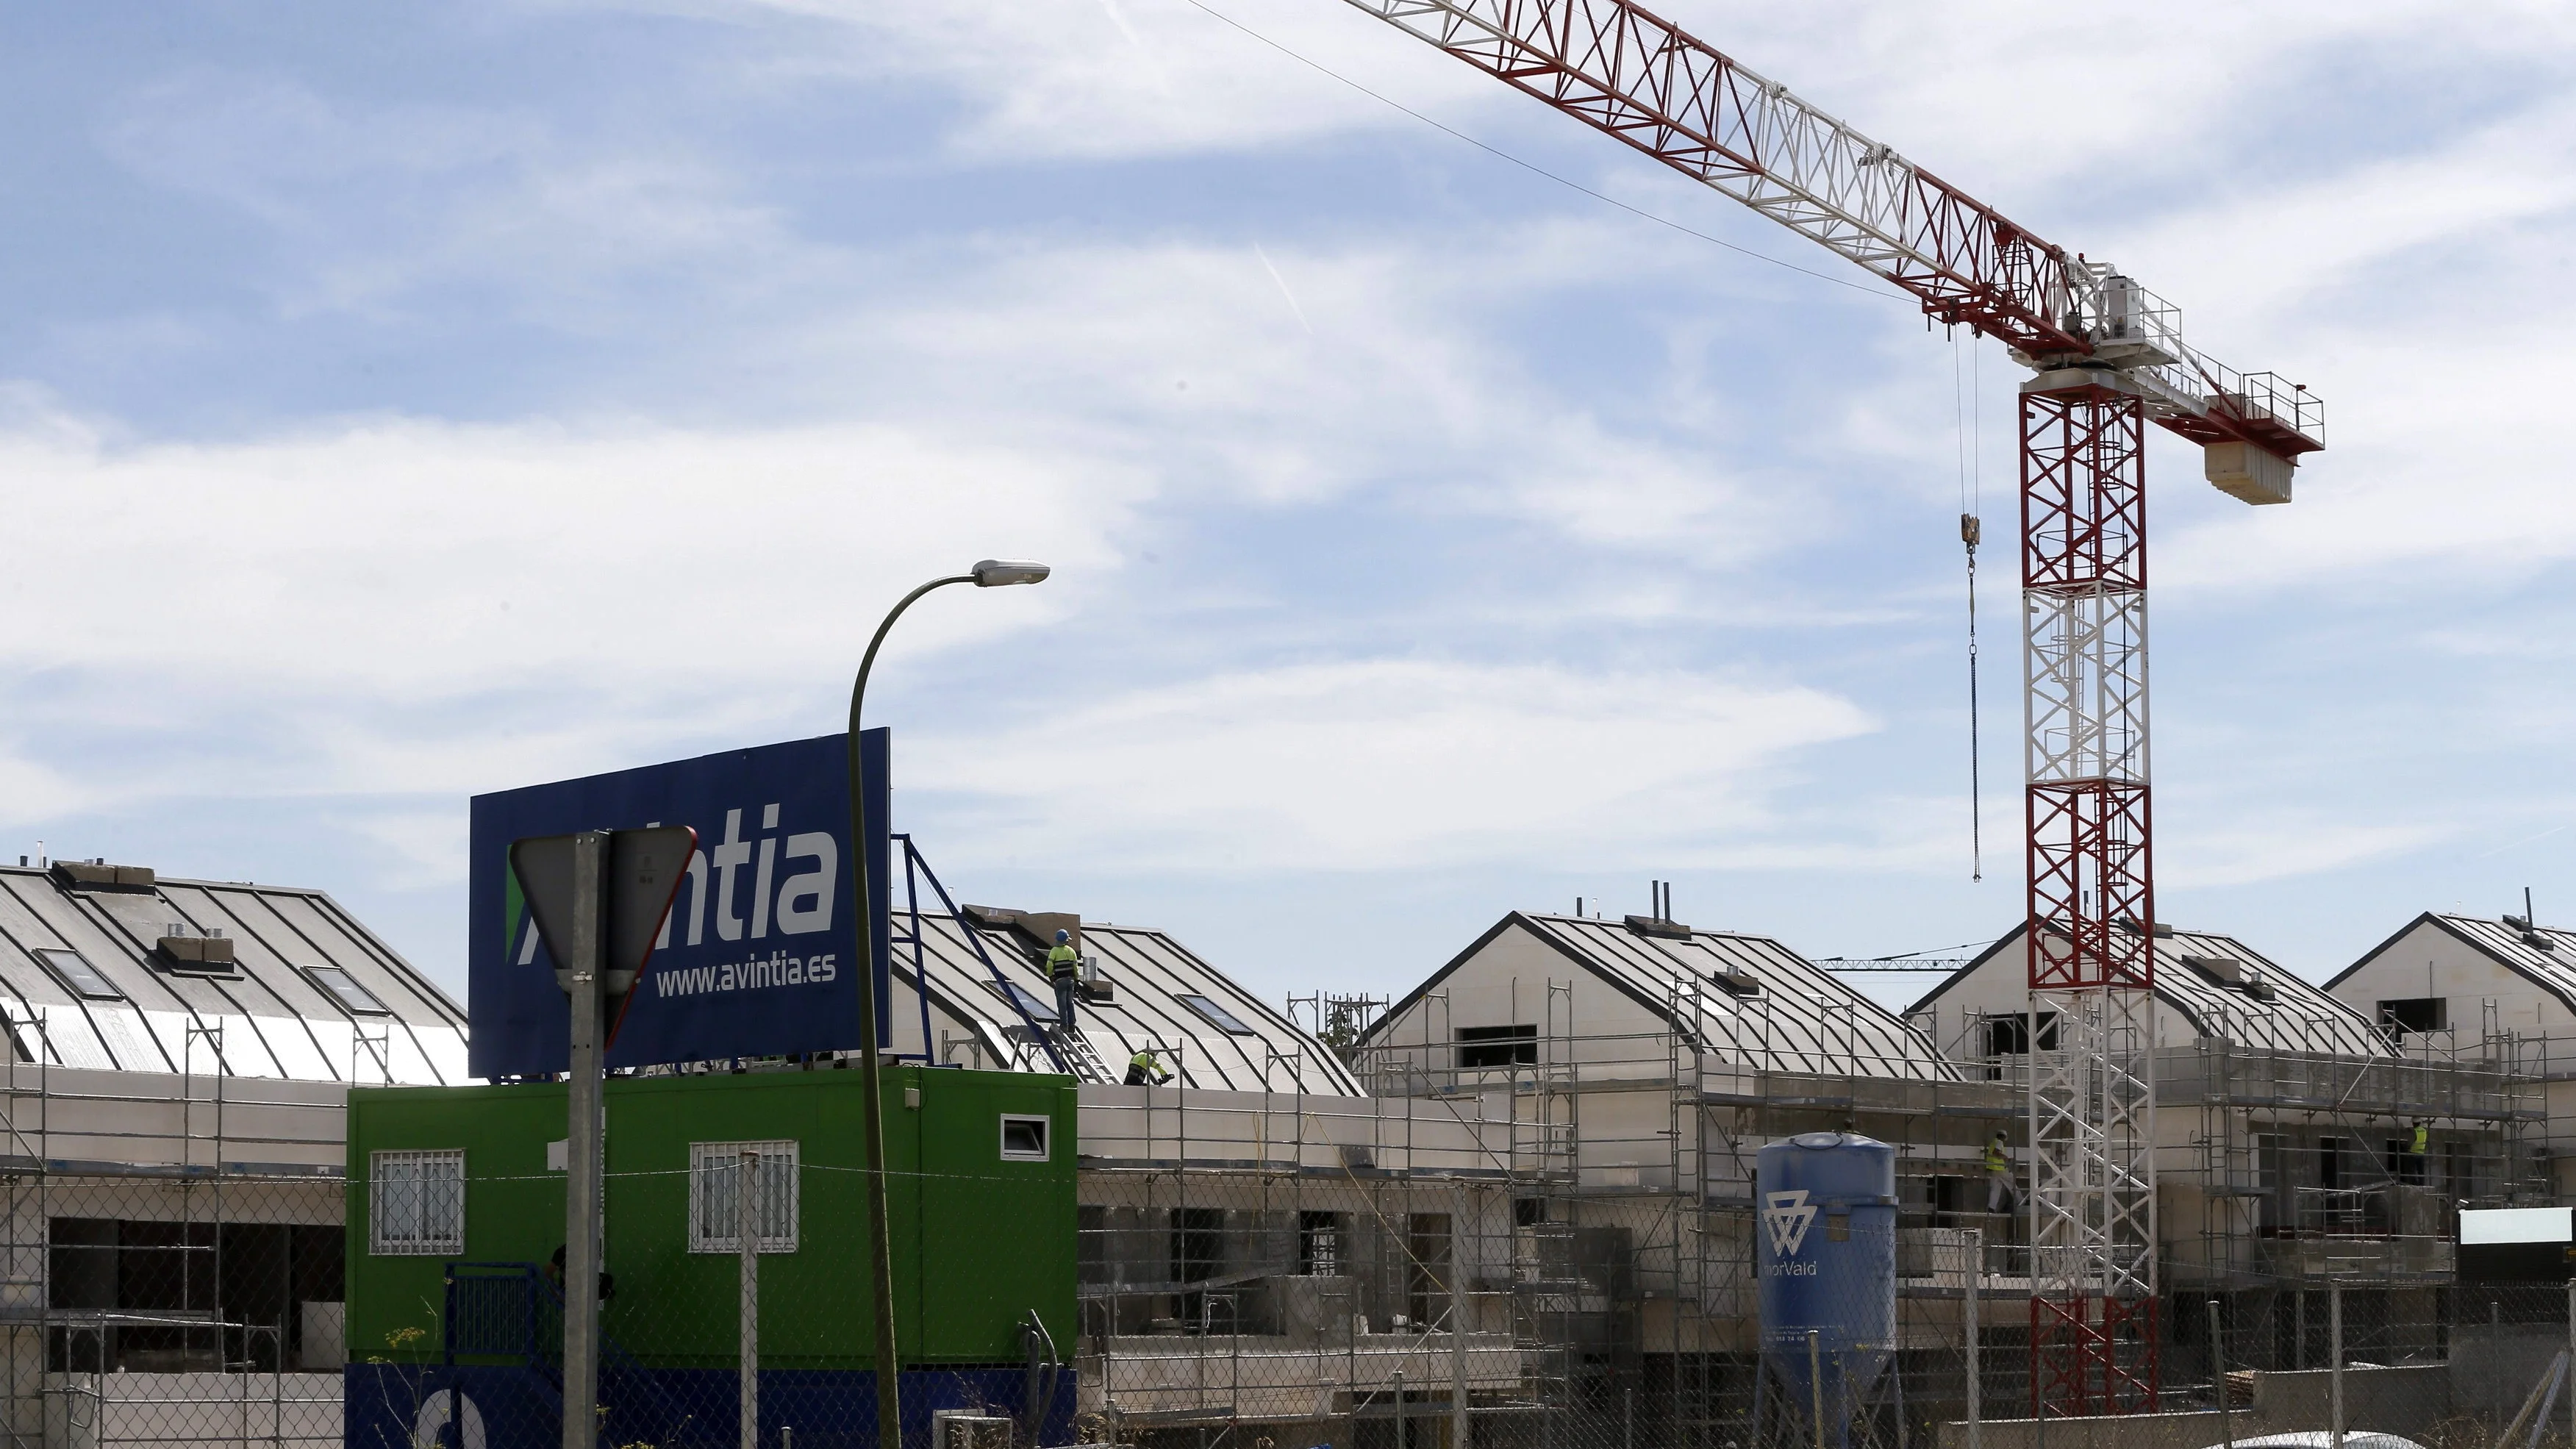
x=1825, y=1255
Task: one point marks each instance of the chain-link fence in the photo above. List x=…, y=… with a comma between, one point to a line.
x=166, y=1310
x=1216, y=1309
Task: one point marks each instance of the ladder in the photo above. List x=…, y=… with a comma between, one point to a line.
x=1078, y=1054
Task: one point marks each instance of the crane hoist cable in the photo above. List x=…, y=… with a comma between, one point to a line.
x=1971, y=489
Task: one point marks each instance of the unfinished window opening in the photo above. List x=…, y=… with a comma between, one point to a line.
x=1427, y=1270
x=1198, y=1244
x=2404, y=1164
x=2009, y=1036
x=1497, y=1046
x=2416, y=1014
x=1319, y=1244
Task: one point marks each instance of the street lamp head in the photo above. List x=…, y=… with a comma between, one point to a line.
x=994, y=572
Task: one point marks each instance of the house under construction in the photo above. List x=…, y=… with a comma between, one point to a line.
x=171, y=1249
x=1636, y=1065
x=2500, y=987
x=2298, y=1143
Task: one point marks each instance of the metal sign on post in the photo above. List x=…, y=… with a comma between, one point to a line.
x=599, y=898
x=761, y=952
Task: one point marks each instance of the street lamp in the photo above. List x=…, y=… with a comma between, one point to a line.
x=991, y=573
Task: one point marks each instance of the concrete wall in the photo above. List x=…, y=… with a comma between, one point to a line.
x=1506, y=984
x=2431, y=961
x=94, y=1411
x=1142, y=1126
x=2408, y=1401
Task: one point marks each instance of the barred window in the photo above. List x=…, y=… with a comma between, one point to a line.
x=416, y=1203
x=715, y=1172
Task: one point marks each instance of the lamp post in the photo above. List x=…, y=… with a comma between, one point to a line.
x=991, y=573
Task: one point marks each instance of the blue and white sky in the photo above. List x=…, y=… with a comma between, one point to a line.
x=398, y=403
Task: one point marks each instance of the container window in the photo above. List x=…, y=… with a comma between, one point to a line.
x=78, y=976
x=715, y=1186
x=346, y=989
x=416, y=1204
x=1024, y=1139
x=1217, y=1016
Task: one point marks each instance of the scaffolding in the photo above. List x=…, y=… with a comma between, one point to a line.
x=1548, y=1234
x=155, y=1287
x=1582, y=1205
x=2289, y=1164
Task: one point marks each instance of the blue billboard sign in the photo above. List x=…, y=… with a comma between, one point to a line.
x=759, y=955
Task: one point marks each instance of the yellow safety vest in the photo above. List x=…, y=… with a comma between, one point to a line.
x=1995, y=1161
x=1063, y=961
x=2423, y=1139
x=1144, y=1062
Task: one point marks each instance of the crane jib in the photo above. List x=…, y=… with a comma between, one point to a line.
x=1634, y=76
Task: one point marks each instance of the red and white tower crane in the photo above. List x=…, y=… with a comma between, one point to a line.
x=2106, y=358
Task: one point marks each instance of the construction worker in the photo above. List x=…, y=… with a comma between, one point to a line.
x=1064, y=967
x=1146, y=1070
x=2000, y=1197
x=2422, y=1139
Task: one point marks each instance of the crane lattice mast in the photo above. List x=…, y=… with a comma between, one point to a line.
x=2106, y=358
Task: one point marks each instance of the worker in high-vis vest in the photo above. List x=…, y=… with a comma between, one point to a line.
x=2000, y=1197
x=1145, y=1070
x=2422, y=1139
x=1064, y=966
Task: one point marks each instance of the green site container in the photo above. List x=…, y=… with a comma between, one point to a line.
x=982, y=1234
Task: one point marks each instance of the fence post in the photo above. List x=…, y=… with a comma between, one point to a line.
x=2571, y=1362
x=1397, y=1378
x=1976, y=1322
x=2218, y=1374
x=746, y=1231
x=1457, y=1316
x=1816, y=1385
x=1628, y=1406
x=2334, y=1334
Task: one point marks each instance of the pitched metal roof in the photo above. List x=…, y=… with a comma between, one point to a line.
x=1149, y=974
x=311, y=995
x=2553, y=971
x=2192, y=975
x=1800, y=1017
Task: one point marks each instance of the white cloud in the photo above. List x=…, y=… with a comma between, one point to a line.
x=1133, y=77
x=372, y=571
x=378, y=203
x=1385, y=763
x=1185, y=358
x=32, y=793
x=2259, y=846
